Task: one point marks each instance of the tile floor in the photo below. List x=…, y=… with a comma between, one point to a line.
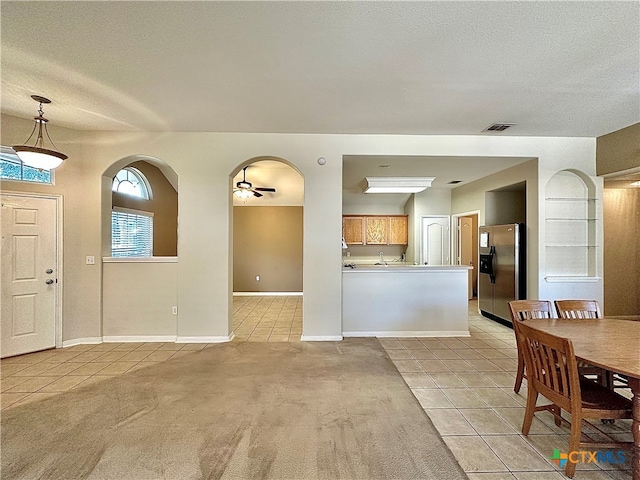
x=465, y=385
x=267, y=319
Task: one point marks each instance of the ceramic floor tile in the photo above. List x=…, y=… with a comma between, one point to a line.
x=135, y=356
x=62, y=369
x=35, y=370
x=476, y=379
x=473, y=454
x=159, y=355
x=90, y=368
x=9, y=399
x=491, y=476
x=432, y=398
x=33, y=384
x=496, y=397
x=487, y=422
x=447, y=380
x=11, y=369
x=422, y=354
x=407, y=366
x=399, y=355
x=464, y=398
x=10, y=382
x=434, y=366
x=64, y=383
x=87, y=356
x=418, y=380
x=449, y=421
x=516, y=453
x=278, y=338
x=111, y=356
x=117, y=368
x=542, y=476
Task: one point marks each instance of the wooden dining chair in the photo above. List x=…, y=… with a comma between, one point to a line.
x=522, y=310
x=552, y=371
x=584, y=309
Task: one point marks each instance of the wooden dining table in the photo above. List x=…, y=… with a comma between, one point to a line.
x=612, y=344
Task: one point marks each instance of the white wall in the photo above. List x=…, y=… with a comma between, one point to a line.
x=205, y=162
x=132, y=313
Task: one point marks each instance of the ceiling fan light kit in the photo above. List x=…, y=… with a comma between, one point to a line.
x=245, y=190
x=36, y=155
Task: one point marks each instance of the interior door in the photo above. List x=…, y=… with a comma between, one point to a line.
x=436, y=241
x=465, y=248
x=29, y=274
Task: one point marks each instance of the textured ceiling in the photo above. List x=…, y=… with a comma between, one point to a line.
x=554, y=68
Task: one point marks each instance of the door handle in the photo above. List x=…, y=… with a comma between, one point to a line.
x=49, y=282
x=49, y=271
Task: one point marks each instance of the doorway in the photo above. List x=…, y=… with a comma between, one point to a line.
x=268, y=231
x=31, y=291
x=465, y=242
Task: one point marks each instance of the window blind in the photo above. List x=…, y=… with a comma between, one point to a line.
x=131, y=233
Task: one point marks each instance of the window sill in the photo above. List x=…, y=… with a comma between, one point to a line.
x=571, y=279
x=139, y=259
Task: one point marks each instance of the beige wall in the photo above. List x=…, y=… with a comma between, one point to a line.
x=267, y=242
x=618, y=151
x=163, y=204
x=205, y=164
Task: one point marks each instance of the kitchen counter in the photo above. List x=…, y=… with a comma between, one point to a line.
x=404, y=300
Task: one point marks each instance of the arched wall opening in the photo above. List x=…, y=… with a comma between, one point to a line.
x=267, y=237
x=139, y=294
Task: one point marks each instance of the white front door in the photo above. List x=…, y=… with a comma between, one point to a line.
x=436, y=241
x=29, y=274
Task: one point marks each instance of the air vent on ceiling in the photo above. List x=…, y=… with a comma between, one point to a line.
x=498, y=127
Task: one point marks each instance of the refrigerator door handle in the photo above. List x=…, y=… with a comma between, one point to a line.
x=492, y=252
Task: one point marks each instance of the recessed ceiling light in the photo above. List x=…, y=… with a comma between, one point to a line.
x=635, y=184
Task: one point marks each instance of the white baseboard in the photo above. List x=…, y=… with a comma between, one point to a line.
x=402, y=334
x=215, y=339
x=266, y=294
x=138, y=338
x=81, y=341
x=321, y=338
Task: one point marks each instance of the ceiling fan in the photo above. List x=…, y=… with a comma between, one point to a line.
x=245, y=189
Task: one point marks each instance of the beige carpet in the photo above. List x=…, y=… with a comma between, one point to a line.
x=238, y=410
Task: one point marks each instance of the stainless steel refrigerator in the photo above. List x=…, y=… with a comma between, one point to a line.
x=502, y=276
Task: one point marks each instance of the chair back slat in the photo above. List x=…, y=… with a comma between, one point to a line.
x=530, y=309
x=578, y=309
x=551, y=365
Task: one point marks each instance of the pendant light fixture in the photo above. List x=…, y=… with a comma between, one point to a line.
x=37, y=156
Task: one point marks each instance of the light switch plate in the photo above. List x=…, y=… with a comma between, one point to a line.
x=91, y=260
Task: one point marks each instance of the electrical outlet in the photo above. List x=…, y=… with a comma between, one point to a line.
x=174, y=310
x=348, y=254
x=91, y=260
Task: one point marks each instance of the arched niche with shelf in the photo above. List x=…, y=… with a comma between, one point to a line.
x=570, y=226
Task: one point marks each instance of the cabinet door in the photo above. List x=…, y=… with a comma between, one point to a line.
x=398, y=230
x=377, y=230
x=353, y=230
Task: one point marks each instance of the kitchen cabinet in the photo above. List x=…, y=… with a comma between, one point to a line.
x=375, y=229
x=398, y=230
x=353, y=230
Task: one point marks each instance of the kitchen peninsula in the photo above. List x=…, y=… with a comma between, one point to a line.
x=403, y=300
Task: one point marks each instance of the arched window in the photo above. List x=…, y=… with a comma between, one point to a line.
x=131, y=181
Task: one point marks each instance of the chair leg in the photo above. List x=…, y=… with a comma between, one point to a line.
x=574, y=443
x=520, y=374
x=532, y=397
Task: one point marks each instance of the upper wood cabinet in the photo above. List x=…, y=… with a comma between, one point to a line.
x=398, y=230
x=353, y=230
x=375, y=229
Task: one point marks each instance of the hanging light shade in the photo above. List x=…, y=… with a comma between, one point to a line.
x=36, y=155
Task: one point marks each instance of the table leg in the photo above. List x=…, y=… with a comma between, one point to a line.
x=634, y=383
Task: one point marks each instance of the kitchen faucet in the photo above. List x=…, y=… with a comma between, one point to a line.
x=381, y=262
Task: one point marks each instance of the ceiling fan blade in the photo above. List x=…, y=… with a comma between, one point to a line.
x=256, y=194
x=265, y=189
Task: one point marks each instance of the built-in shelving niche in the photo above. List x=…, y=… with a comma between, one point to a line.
x=570, y=226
